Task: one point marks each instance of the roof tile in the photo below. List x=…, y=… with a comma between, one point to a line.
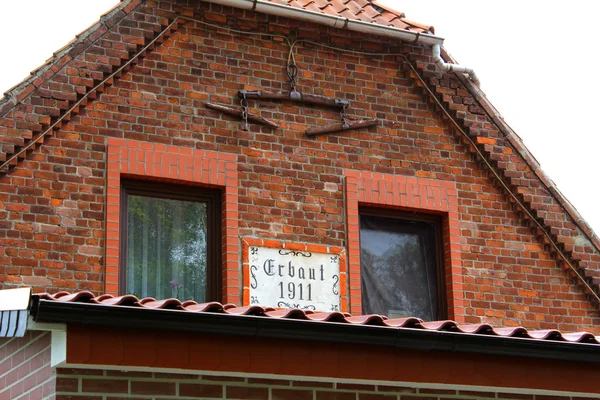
x=417, y=25
x=363, y=3
x=312, y=6
x=118, y=301
x=320, y=317
x=362, y=10
x=338, y=6
x=353, y=6
x=379, y=19
x=167, y=304
x=323, y=3
x=328, y=9
x=347, y=14
x=295, y=4
x=303, y=3
x=388, y=16
x=370, y=11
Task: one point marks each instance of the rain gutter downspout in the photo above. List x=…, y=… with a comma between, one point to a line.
x=447, y=67
x=267, y=7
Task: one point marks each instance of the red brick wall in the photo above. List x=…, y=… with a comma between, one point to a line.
x=25, y=372
x=290, y=187
x=79, y=384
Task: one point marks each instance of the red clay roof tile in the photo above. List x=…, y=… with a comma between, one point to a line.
x=322, y=3
x=321, y=317
x=363, y=3
x=353, y=6
x=370, y=11
x=388, y=16
x=346, y=14
x=328, y=9
x=362, y=10
x=338, y=6
x=417, y=25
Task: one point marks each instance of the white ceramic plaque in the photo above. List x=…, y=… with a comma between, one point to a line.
x=294, y=279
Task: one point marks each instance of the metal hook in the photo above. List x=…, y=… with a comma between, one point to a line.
x=244, y=106
x=344, y=116
x=292, y=73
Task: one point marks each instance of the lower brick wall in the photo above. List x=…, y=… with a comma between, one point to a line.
x=80, y=384
x=25, y=372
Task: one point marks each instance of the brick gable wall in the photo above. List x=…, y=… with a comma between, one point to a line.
x=290, y=187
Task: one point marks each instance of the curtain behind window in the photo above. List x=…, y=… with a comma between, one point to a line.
x=398, y=268
x=166, y=248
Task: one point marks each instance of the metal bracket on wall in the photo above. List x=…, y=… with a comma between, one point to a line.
x=342, y=104
x=240, y=113
x=295, y=96
x=342, y=126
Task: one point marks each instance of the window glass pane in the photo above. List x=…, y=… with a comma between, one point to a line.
x=398, y=268
x=166, y=248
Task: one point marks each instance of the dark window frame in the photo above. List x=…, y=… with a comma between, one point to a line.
x=436, y=220
x=171, y=191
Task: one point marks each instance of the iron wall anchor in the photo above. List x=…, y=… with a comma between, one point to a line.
x=342, y=126
x=238, y=113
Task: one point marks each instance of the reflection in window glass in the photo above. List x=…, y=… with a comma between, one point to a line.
x=398, y=268
x=166, y=248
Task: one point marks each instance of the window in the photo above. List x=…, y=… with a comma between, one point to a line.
x=401, y=270
x=170, y=241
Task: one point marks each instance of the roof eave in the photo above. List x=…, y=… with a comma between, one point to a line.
x=287, y=11
x=238, y=325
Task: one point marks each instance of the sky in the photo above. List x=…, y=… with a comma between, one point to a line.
x=538, y=65
x=536, y=61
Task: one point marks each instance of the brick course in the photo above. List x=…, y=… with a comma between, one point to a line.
x=71, y=384
x=54, y=230
x=25, y=372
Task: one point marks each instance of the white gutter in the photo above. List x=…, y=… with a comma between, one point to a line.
x=281, y=10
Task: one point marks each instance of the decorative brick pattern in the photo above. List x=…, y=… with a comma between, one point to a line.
x=534, y=197
x=92, y=384
x=278, y=244
x=64, y=101
x=411, y=194
x=143, y=160
x=25, y=372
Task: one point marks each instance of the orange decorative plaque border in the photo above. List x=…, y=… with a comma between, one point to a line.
x=411, y=194
x=181, y=165
x=279, y=244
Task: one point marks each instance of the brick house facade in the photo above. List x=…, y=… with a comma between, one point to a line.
x=126, y=101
